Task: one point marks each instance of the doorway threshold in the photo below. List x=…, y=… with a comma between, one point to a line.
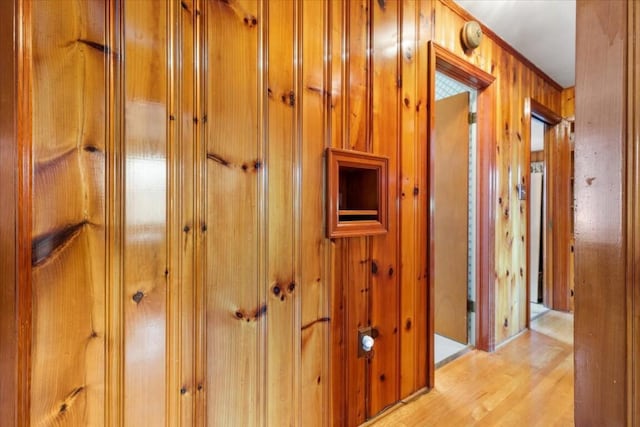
x=447, y=350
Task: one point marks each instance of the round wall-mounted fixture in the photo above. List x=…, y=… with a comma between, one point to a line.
x=471, y=35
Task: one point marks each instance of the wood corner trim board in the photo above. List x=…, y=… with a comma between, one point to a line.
x=501, y=42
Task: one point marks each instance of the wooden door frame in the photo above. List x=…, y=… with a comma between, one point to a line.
x=446, y=62
x=535, y=109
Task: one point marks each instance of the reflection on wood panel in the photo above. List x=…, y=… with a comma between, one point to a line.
x=145, y=241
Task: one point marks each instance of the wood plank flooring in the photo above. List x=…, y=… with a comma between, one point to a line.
x=526, y=382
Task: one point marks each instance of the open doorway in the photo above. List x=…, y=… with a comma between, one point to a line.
x=537, y=221
x=549, y=205
x=454, y=217
x=480, y=301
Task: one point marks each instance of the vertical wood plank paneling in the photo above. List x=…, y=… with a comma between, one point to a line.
x=357, y=128
x=315, y=320
x=356, y=287
x=67, y=370
x=357, y=136
x=282, y=335
x=238, y=235
x=386, y=83
x=9, y=218
x=234, y=312
x=181, y=312
x=146, y=270
x=338, y=396
x=601, y=294
x=503, y=205
x=338, y=23
x=519, y=231
x=337, y=48
x=200, y=204
x=409, y=237
x=358, y=43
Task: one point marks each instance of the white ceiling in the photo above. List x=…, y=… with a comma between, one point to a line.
x=543, y=31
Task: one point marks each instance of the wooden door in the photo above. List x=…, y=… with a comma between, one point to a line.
x=450, y=163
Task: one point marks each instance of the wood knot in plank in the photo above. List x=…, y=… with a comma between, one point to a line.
x=289, y=98
x=257, y=314
x=216, y=158
x=45, y=246
x=250, y=21
x=408, y=53
x=314, y=322
x=137, y=297
x=68, y=401
x=95, y=45
x=374, y=267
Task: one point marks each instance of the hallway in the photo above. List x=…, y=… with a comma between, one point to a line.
x=526, y=382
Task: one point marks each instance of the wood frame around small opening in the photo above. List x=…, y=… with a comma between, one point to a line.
x=440, y=59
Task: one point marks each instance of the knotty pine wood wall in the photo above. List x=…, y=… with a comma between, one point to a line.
x=180, y=273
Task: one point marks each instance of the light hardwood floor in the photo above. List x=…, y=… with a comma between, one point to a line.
x=526, y=382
